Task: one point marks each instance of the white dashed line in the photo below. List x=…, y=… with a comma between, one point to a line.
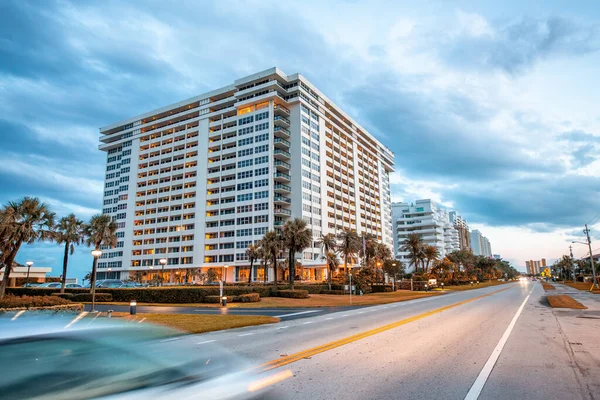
x=283, y=327
x=208, y=341
x=247, y=334
x=298, y=313
x=328, y=318
x=345, y=315
x=307, y=322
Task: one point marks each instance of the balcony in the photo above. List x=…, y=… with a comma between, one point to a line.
x=281, y=200
x=278, y=223
x=281, y=154
x=281, y=121
x=282, y=132
x=282, y=212
x=281, y=177
x=282, y=188
x=281, y=110
x=282, y=165
x=282, y=143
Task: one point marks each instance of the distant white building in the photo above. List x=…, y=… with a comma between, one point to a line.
x=427, y=219
x=480, y=245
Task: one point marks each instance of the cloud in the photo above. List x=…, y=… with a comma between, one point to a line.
x=515, y=46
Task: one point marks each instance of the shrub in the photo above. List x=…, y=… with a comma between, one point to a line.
x=293, y=294
x=247, y=298
x=332, y=292
x=67, y=296
x=381, y=288
x=11, y=301
x=214, y=299
x=100, y=297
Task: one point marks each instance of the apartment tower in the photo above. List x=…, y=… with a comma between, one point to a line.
x=198, y=181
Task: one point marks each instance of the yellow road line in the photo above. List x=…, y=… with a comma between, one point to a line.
x=340, y=342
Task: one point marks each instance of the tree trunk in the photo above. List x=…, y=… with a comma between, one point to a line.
x=265, y=271
x=65, y=262
x=7, y=269
x=251, y=268
x=329, y=276
x=275, y=271
x=93, y=277
x=292, y=268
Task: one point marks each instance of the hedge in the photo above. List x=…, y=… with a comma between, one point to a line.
x=11, y=301
x=381, y=288
x=332, y=292
x=247, y=298
x=100, y=297
x=67, y=296
x=293, y=294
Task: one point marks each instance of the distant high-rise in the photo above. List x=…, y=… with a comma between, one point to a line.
x=535, y=267
x=460, y=224
x=480, y=245
x=427, y=219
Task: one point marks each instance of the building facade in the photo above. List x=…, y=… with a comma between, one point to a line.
x=480, y=245
x=198, y=181
x=461, y=226
x=535, y=267
x=427, y=219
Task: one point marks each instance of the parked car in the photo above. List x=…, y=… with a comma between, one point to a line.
x=73, y=285
x=109, y=283
x=31, y=284
x=57, y=357
x=53, y=285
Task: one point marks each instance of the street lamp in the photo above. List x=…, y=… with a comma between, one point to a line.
x=29, y=264
x=108, y=270
x=96, y=254
x=225, y=273
x=163, y=262
x=350, y=287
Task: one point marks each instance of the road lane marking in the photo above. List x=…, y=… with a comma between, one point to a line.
x=483, y=376
x=353, y=338
x=298, y=313
x=307, y=322
x=247, y=334
x=328, y=318
x=208, y=341
x=283, y=327
x=345, y=315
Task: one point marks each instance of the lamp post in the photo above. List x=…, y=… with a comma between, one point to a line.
x=589, y=244
x=163, y=262
x=225, y=273
x=350, y=287
x=394, y=281
x=108, y=271
x=29, y=264
x=96, y=253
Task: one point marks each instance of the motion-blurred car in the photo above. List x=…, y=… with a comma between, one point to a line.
x=70, y=357
x=109, y=283
x=31, y=284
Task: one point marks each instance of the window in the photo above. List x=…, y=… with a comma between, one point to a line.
x=243, y=244
x=241, y=257
x=419, y=209
x=245, y=163
x=261, y=195
x=260, y=231
x=244, y=197
x=261, y=183
x=246, y=141
x=260, y=127
x=244, y=186
x=244, y=209
x=245, y=131
x=245, y=174
x=244, y=220
x=245, y=152
x=260, y=149
x=261, y=218
x=245, y=120
x=262, y=137
x=261, y=160
x=262, y=116
x=262, y=171
x=261, y=206
x=244, y=232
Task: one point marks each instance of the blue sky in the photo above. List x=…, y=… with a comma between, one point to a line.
x=490, y=107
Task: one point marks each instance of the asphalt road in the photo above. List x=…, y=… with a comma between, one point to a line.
x=285, y=314
x=502, y=342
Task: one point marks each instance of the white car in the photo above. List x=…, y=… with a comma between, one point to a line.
x=65, y=358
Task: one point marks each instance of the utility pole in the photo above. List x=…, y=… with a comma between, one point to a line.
x=587, y=233
x=572, y=264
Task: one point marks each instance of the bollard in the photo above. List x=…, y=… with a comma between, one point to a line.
x=442, y=285
x=132, y=307
x=224, y=301
x=426, y=288
x=109, y=313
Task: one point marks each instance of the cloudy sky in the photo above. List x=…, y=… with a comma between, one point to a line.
x=491, y=108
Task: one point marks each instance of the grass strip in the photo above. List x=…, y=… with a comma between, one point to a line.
x=547, y=286
x=585, y=286
x=565, y=301
x=198, y=323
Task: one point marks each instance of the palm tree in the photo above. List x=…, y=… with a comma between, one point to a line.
x=70, y=232
x=332, y=263
x=430, y=253
x=349, y=245
x=263, y=256
x=252, y=253
x=414, y=246
x=100, y=231
x=296, y=237
x=24, y=221
x=382, y=253
x=271, y=244
x=368, y=247
x=327, y=243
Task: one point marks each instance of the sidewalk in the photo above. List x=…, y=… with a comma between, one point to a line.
x=580, y=330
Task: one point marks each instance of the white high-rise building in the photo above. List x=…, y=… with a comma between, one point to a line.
x=198, y=181
x=427, y=219
x=480, y=245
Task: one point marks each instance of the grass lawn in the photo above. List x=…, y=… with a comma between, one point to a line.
x=564, y=301
x=192, y=323
x=547, y=286
x=581, y=286
x=315, y=300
